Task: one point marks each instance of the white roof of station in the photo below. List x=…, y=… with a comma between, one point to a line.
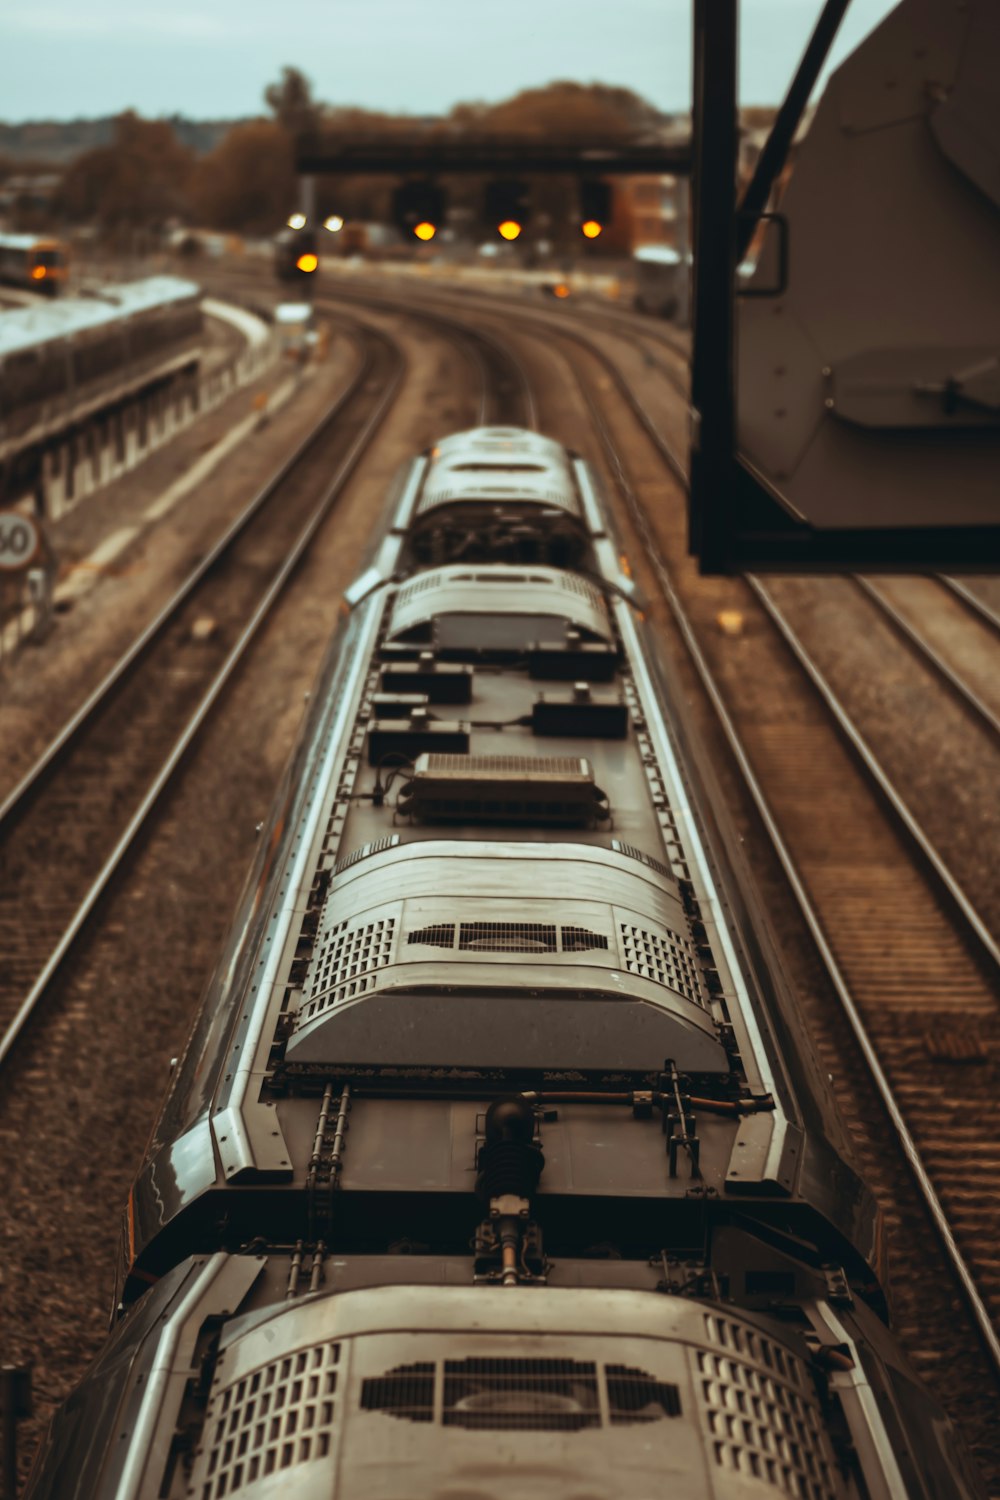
x=25, y=327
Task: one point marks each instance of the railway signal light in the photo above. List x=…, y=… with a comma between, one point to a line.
x=508, y=206
x=595, y=207
x=303, y=253
x=419, y=208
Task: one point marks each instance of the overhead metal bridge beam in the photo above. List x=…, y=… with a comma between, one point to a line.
x=394, y=156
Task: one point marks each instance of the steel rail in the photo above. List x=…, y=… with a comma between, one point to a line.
x=972, y=601
x=620, y=325
x=184, y=741
x=475, y=353
x=162, y=619
x=527, y=393
x=873, y=766
x=927, y=651
x=632, y=328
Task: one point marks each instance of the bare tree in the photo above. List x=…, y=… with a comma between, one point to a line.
x=291, y=102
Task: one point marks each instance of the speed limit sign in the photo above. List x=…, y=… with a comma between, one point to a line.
x=19, y=541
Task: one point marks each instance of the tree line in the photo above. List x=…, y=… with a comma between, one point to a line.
x=147, y=177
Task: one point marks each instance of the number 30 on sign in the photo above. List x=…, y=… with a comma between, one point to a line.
x=19, y=541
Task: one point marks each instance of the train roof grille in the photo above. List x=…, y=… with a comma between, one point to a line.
x=508, y=937
x=278, y=1416
x=521, y=1394
x=387, y=841
x=760, y=1405
x=621, y=847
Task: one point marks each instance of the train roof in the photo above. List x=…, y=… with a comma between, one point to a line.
x=501, y=445
x=500, y=464
x=656, y=255
x=27, y=327
x=497, y=606
x=26, y=241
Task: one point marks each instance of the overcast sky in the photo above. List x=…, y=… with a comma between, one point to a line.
x=64, y=58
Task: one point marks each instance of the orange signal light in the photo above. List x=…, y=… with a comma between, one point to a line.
x=38, y=273
x=591, y=229
x=425, y=230
x=509, y=229
x=560, y=289
x=307, y=262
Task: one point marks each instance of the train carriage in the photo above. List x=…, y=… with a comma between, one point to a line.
x=657, y=272
x=60, y=364
x=33, y=262
x=498, y=1161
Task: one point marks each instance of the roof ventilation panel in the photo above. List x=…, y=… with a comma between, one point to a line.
x=508, y=788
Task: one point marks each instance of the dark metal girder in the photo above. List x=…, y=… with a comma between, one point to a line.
x=391, y=156
x=761, y=534
x=714, y=204
x=775, y=152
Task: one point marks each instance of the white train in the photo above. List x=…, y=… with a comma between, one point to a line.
x=498, y=1162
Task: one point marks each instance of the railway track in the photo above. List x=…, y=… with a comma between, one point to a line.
x=957, y=662
x=647, y=334
x=85, y=801
x=950, y=741
x=506, y=393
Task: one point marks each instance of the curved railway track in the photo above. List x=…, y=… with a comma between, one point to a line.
x=84, y=802
x=506, y=393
